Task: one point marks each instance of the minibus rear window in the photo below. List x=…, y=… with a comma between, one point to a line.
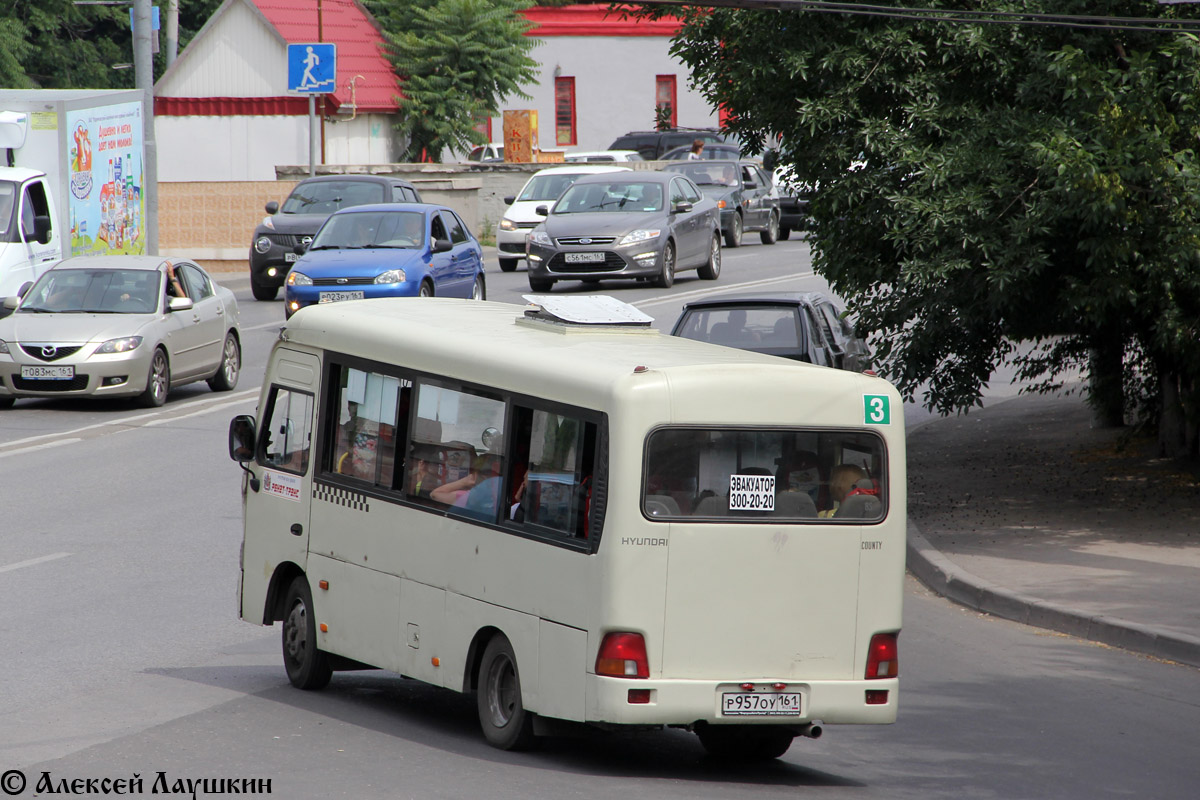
x=764, y=475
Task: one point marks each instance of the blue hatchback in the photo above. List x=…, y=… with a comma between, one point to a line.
x=393, y=250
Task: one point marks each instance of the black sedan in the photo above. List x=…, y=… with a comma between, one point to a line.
x=644, y=225
x=744, y=194
x=312, y=200
x=803, y=326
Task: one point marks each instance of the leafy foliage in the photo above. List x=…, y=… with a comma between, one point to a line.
x=456, y=60
x=56, y=44
x=985, y=185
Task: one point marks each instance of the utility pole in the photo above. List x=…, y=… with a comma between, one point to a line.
x=143, y=69
x=172, y=31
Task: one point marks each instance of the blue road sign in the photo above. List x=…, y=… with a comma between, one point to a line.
x=312, y=67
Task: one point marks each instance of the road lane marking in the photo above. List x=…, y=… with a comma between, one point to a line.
x=673, y=298
x=182, y=411
x=32, y=561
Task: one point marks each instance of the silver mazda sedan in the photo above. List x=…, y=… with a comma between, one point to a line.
x=645, y=225
x=119, y=326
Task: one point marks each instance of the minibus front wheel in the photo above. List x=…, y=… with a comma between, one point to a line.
x=505, y=722
x=307, y=666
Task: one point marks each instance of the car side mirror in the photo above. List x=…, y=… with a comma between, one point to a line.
x=747, y=184
x=180, y=304
x=241, y=438
x=300, y=248
x=25, y=287
x=508, y=201
x=682, y=207
x=272, y=207
x=442, y=245
x=542, y=211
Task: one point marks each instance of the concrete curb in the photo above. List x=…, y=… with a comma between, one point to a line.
x=953, y=582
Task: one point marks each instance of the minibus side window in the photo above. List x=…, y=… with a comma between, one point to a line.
x=366, y=405
x=456, y=449
x=765, y=475
x=287, y=432
x=551, y=473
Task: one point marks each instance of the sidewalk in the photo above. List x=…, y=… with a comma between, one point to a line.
x=1023, y=510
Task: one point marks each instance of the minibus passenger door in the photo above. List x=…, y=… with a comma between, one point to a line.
x=277, y=515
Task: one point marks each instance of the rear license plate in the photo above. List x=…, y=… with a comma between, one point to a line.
x=760, y=704
x=583, y=258
x=39, y=373
x=337, y=297
x=290, y=257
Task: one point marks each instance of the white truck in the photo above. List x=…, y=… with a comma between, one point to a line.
x=71, y=179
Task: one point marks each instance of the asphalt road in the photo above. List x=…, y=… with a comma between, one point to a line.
x=122, y=653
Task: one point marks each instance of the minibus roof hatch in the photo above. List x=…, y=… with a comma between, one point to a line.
x=585, y=311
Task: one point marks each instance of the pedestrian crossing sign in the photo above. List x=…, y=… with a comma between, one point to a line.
x=312, y=67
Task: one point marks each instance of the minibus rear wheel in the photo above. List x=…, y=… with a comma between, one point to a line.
x=744, y=742
x=307, y=666
x=505, y=722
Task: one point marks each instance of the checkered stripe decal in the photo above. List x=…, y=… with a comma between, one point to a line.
x=342, y=497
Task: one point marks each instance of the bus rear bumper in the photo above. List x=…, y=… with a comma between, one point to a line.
x=618, y=701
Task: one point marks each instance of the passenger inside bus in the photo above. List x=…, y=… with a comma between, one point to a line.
x=425, y=473
x=841, y=483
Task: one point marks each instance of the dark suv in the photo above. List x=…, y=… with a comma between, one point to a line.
x=651, y=145
x=273, y=248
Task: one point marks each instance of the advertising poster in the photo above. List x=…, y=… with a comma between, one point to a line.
x=105, y=162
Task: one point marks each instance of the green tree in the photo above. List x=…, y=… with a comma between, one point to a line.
x=456, y=60
x=56, y=44
x=985, y=185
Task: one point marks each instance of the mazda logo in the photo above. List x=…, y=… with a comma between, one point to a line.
x=49, y=351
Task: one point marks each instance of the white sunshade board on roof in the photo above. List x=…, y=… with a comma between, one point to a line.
x=591, y=310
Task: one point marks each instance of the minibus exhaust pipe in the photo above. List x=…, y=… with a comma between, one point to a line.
x=812, y=730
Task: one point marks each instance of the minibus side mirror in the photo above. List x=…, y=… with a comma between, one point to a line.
x=241, y=438
x=272, y=207
x=508, y=201
x=242, y=435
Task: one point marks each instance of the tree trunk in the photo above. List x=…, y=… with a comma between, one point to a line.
x=1178, y=423
x=1106, y=393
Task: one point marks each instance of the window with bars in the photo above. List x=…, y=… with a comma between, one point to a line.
x=564, y=111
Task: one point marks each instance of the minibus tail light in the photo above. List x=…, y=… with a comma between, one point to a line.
x=882, y=655
x=623, y=655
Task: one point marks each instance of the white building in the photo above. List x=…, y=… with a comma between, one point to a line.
x=601, y=76
x=223, y=111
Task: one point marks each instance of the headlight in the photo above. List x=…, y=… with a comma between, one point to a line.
x=507, y=224
x=392, y=276
x=641, y=235
x=120, y=345
x=3, y=346
x=542, y=238
x=295, y=278
x=262, y=244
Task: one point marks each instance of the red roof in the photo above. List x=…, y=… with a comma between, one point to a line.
x=359, y=48
x=594, y=20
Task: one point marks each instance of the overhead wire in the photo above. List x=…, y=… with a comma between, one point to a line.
x=1029, y=18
